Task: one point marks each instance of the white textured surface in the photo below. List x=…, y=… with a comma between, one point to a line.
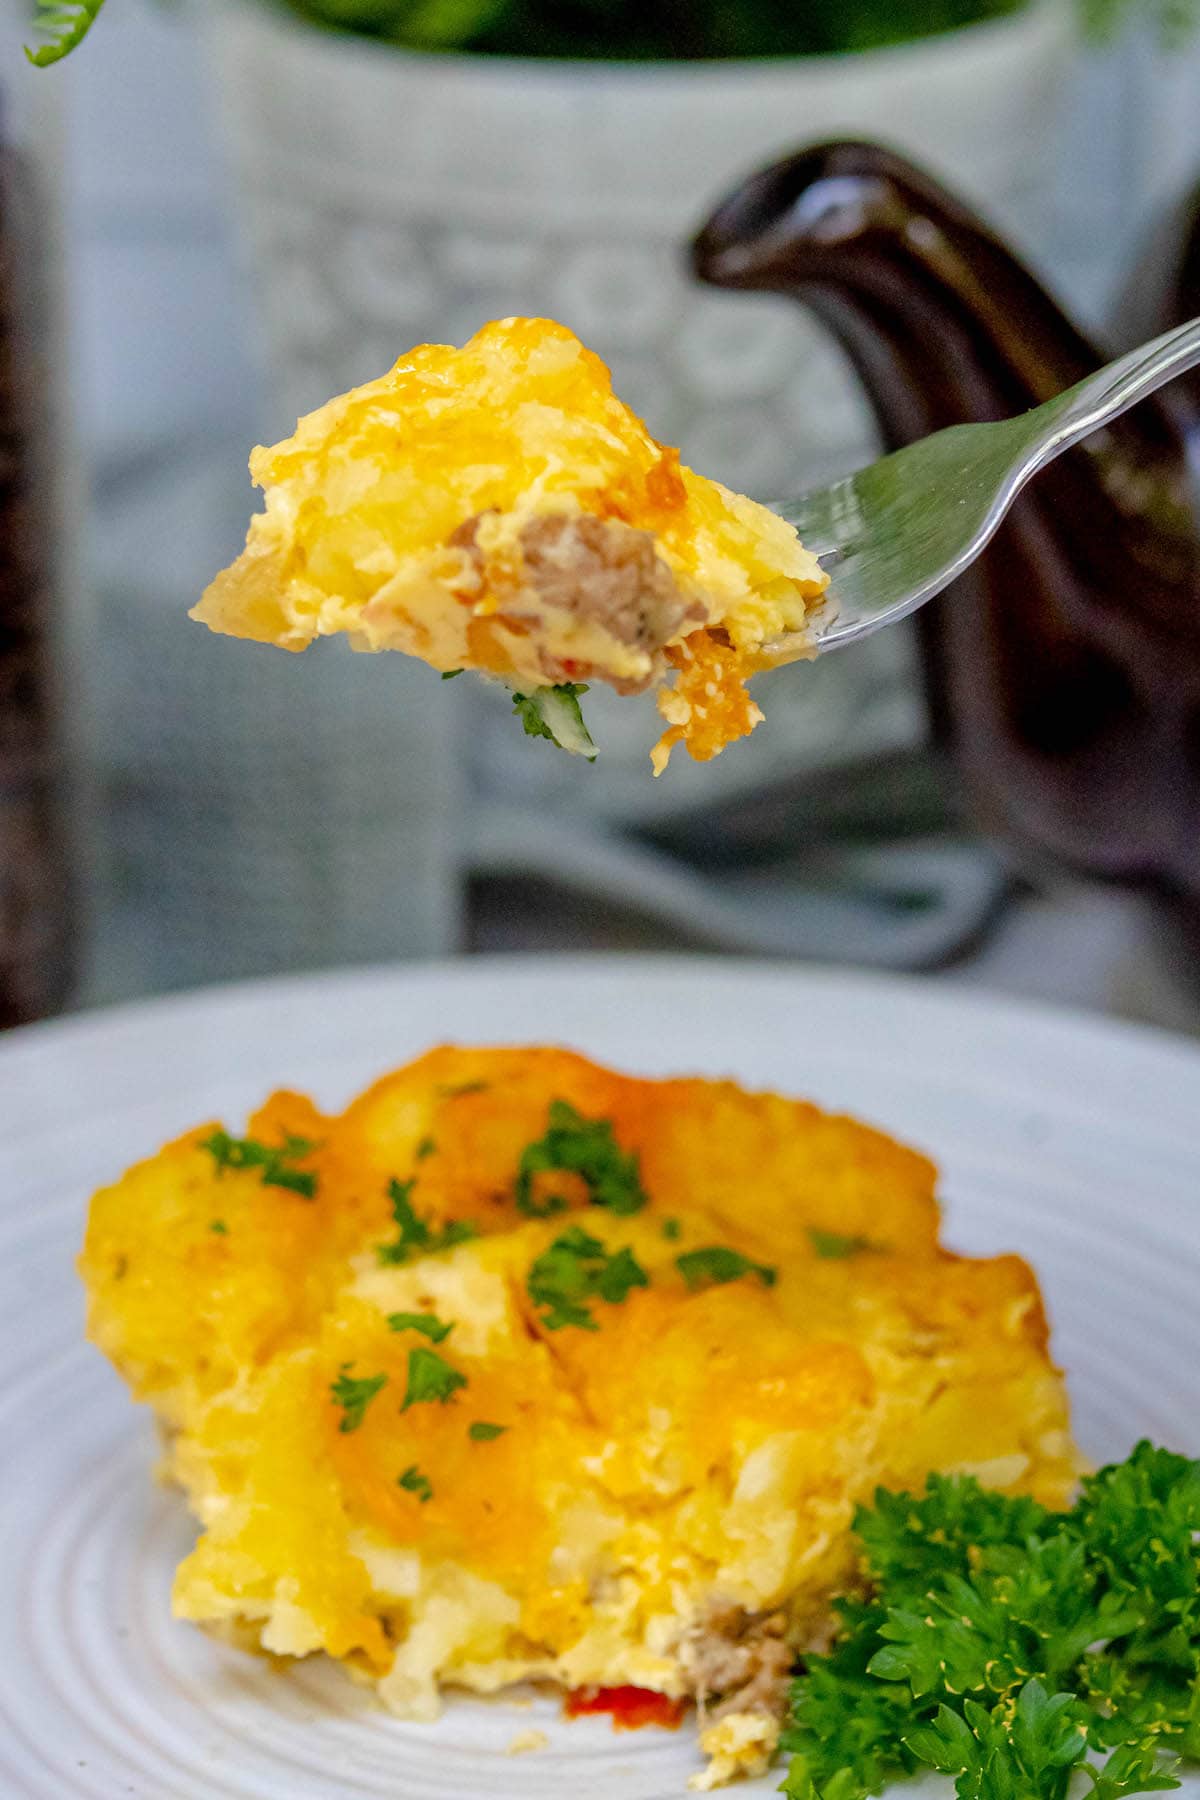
x=1074, y=1140
x=390, y=198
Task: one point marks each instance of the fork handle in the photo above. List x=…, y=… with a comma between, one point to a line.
x=1112, y=390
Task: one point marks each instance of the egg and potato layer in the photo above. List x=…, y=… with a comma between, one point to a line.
x=498, y=508
x=521, y=1368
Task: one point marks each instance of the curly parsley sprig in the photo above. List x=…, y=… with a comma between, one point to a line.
x=1011, y=1647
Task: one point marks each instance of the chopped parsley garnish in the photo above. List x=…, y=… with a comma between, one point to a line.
x=415, y=1235
x=354, y=1394
x=219, y=1226
x=714, y=1266
x=672, y=1229
x=273, y=1161
x=480, y=1432
x=414, y=1482
x=832, y=1244
x=425, y=1148
x=583, y=1147
x=435, y=1329
x=553, y=712
x=449, y=674
x=294, y=1145
x=430, y=1377
x=1014, y=1648
x=576, y=1269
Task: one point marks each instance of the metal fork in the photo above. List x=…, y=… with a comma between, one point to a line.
x=896, y=533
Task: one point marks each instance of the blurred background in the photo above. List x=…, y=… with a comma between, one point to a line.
x=215, y=215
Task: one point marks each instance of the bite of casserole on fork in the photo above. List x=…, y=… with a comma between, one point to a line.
x=498, y=508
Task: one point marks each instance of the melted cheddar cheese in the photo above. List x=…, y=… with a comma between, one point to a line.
x=691, y=1457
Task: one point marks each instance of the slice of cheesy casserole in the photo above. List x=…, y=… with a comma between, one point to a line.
x=498, y=508
x=520, y=1368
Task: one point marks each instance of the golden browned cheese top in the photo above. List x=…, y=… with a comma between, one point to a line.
x=704, y=1435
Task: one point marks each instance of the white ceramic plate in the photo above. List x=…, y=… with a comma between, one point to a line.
x=1072, y=1140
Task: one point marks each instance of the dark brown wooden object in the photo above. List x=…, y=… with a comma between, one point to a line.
x=36, y=921
x=1064, y=669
